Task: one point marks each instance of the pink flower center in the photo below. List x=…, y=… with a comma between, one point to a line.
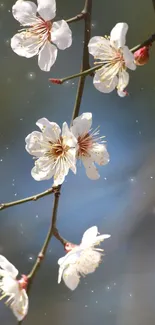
x=42, y=28
x=23, y=282
x=85, y=143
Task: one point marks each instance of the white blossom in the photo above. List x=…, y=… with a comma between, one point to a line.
x=55, y=151
x=40, y=32
x=90, y=148
x=81, y=259
x=13, y=289
x=116, y=58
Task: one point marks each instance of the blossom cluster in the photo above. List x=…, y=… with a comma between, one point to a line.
x=43, y=37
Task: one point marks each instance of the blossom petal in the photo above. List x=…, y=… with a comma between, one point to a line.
x=99, y=154
x=68, y=137
x=51, y=130
x=71, y=277
x=69, y=258
x=41, y=171
x=7, y=266
x=123, y=80
x=61, y=34
x=89, y=235
x=129, y=58
x=25, y=12
x=47, y=56
x=88, y=261
x=20, y=305
x=98, y=46
x=34, y=144
x=25, y=46
x=91, y=170
x=118, y=35
x=106, y=86
x=82, y=124
x=47, y=9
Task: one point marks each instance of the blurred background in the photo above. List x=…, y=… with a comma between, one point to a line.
x=121, y=202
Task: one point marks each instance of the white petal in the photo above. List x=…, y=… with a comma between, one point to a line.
x=121, y=93
x=59, y=178
x=128, y=58
x=118, y=35
x=71, y=158
x=88, y=261
x=7, y=266
x=34, y=144
x=123, y=80
x=100, y=238
x=91, y=170
x=71, y=278
x=68, y=137
x=47, y=56
x=39, y=172
x=20, y=305
x=25, y=46
x=89, y=235
x=10, y=285
x=99, y=154
x=106, y=86
x=50, y=129
x=46, y=9
x=61, y=34
x=82, y=124
x=98, y=45
x=25, y=12
x=69, y=258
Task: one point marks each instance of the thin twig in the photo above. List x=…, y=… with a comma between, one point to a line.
x=76, y=18
x=83, y=73
x=27, y=199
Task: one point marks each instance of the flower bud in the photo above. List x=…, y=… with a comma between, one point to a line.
x=56, y=81
x=69, y=246
x=142, y=55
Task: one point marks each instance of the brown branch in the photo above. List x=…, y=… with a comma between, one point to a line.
x=27, y=199
x=85, y=65
x=76, y=18
x=85, y=61
x=148, y=42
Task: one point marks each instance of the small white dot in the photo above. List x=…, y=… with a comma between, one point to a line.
x=151, y=177
x=86, y=306
x=92, y=290
x=105, y=178
x=31, y=75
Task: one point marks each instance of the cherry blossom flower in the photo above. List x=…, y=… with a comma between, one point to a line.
x=81, y=259
x=40, y=32
x=90, y=147
x=55, y=151
x=13, y=288
x=116, y=58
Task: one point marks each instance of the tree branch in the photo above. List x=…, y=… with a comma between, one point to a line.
x=85, y=66
x=27, y=199
x=149, y=41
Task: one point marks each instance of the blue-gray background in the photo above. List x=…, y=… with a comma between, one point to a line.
x=122, y=202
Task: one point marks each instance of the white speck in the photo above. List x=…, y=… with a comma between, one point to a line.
x=2, y=5
x=85, y=282
x=151, y=177
x=37, y=216
x=93, y=25
x=109, y=311
x=73, y=83
x=132, y=179
x=130, y=294
x=96, y=302
x=108, y=288
x=114, y=283
x=105, y=178
x=1, y=160
x=7, y=148
x=45, y=314
x=92, y=290
x=31, y=75
x=86, y=306
x=30, y=258
x=68, y=299
x=15, y=194
x=137, y=121
x=140, y=132
x=21, y=119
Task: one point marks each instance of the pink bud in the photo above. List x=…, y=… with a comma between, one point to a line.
x=142, y=55
x=55, y=81
x=23, y=282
